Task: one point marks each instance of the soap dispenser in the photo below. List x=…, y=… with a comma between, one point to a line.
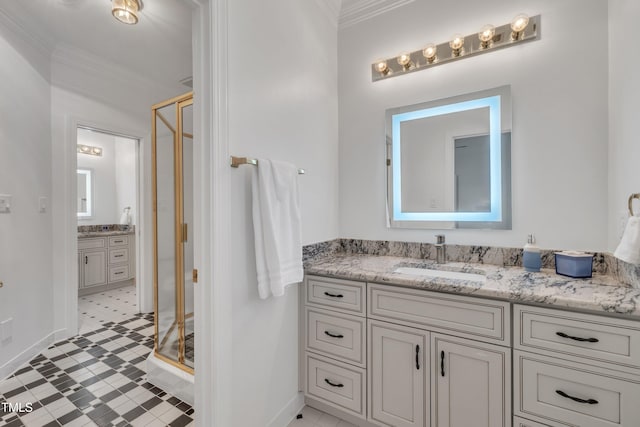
x=531, y=260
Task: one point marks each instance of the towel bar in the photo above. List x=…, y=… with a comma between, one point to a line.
x=631, y=197
x=237, y=161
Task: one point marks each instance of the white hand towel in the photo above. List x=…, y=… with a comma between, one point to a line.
x=276, y=226
x=629, y=248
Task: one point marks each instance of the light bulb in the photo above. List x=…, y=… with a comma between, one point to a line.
x=486, y=34
x=430, y=52
x=126, y=11
x=404, y=59
x=96, y=150
x=382, y=67
x=518, y=24
x=84, y=148
x=456, y=43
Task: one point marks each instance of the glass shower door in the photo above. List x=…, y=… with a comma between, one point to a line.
x=172, y=148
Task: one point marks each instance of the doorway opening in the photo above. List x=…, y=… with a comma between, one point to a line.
x=107, y=201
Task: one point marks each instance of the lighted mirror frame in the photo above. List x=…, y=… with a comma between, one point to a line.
x=491, y=99
x=88, y=176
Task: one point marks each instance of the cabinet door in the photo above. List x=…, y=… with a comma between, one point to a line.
x=398, y=375
x=472, y=384
x=94, y=268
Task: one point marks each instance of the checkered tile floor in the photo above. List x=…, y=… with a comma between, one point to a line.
x=94, y=379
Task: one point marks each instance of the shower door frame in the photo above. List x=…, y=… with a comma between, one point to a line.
x=180, y=235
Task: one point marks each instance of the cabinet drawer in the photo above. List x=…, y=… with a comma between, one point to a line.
x=466, y=316
x=337, y=384
x=573, y=394
x=343, y=295
x=118, y=241
x=521, y=422
x=118, y=273
x=118, y=256
x=336, y=335
x=581, y=335
x=91, y=243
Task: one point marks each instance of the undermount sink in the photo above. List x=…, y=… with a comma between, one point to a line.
x=446, y=274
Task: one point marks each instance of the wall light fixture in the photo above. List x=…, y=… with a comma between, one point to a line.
x=90, y=150
x=522, y=28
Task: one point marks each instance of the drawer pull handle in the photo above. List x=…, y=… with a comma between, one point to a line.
x=119, y=272
x=86, y=260
x=442, y=363
x=577, y=399
x=119, y=256
x=334, y=295
x=563, y=335
x=417, y=357
x=333, y=384
x=333, y=335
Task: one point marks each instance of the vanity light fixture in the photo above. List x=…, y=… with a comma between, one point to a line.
x=520, y=29
x=518, y=25
x=382, y=67
x=126, y=11
x=456, y=44
x=90, y=150
x=430, y=52
x=404, y=59
x=486, y=35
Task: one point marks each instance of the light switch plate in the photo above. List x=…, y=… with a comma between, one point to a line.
x=5, y=203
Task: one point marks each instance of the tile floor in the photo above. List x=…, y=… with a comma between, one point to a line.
x=109, y=306
x=313, y=418
x=96, y=378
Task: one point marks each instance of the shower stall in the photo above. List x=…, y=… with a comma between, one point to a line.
x=172, y=160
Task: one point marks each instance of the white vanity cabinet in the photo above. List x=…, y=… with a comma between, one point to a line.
x=574, y=369
x=105, y=262
x=412, y=337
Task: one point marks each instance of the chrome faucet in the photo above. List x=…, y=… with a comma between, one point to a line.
x=441, y=249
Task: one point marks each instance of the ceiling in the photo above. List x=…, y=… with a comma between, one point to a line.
x=157, y=48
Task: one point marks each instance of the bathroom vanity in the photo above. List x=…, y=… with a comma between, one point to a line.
x=105, y=260
x=385, y=344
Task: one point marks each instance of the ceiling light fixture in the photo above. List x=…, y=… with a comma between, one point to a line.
x=126, y=11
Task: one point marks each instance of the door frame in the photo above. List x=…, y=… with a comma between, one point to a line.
x=212, y=214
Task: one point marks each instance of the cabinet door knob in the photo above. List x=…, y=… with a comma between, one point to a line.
x=563, y=335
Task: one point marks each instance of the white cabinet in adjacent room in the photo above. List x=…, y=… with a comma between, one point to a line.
x=94, y=268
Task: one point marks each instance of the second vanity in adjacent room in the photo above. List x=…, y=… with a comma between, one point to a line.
x=106, y=257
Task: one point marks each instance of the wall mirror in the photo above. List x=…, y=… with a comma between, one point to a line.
x=449, y=162
x=85, y=193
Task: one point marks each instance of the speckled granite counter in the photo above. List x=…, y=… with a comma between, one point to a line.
x=104, y=233
x=602, y=293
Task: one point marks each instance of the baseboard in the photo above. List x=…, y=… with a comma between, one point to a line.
x=289, y=412
x=14, y=364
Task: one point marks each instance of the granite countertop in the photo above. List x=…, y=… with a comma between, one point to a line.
x=104, y=233
x=601, y=293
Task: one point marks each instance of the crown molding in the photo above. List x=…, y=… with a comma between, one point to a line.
x=362, y=10
x=35, y=48
x=331, y=9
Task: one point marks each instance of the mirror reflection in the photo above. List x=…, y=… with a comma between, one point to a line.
x=449, y=162
x=85, y=193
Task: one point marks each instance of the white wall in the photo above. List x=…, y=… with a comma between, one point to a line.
x=104, y=177
x=559, y=97
x=624, y=127
x=25, y=234
x=125, y=177
x=282, y=105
